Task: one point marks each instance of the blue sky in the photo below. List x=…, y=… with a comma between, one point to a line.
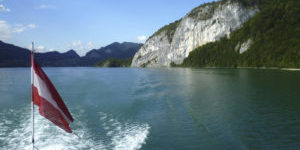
x=86, y=24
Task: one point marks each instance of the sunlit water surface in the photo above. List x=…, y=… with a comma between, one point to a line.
x=129, y=109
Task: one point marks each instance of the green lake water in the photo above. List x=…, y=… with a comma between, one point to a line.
x=157, y=109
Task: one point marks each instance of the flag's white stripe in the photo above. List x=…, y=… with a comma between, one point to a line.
x=45, y=93
x=31, y=75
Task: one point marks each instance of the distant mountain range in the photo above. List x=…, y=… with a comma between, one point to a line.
x=115, y=50
x=14, y=56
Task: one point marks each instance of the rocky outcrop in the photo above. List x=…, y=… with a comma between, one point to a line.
x=241, y=48
x=204, y=24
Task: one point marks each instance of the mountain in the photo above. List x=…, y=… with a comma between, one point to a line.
x=227, y=33
x=204, y=24
x=115, y=63
x=115, y=50
x=11, y=56
x=14, y=56
x=56, y=59
x=269, y=39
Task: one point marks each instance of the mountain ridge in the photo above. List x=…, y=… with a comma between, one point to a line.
x=269, y=39
x=15, y=56
x=228, y=33
x=205, y=23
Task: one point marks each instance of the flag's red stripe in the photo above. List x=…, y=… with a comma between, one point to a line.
x=38, y=70
x=47, y=110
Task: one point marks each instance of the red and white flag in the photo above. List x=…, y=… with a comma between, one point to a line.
x=44, y=95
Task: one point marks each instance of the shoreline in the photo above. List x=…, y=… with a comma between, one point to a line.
x=291, y=69
x=262, y=68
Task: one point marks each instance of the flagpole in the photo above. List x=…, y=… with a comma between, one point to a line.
x=32, y=95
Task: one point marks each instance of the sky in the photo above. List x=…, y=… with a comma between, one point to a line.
x=83, y=25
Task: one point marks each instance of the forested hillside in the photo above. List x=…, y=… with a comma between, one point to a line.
x=269, y=39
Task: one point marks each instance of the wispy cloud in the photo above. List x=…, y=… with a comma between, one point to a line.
x=44, y=6
x=76, y=45
x=142, y=38
x=91, y=45
x=18, y=28
x=80, y=47
x=39, y=49
x=4, y=9
x=31, y=26
x=7, y=30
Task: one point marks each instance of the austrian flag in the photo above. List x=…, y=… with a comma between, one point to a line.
x=44, y=95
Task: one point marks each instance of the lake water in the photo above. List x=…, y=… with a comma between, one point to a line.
x=153, y=109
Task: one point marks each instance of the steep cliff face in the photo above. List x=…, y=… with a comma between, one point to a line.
x=204, y=24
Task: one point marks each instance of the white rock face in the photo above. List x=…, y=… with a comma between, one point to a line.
x=208, y=25
x=245, y=46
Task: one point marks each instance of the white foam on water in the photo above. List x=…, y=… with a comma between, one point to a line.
x=131, y=138
x=47, y=135
x=126, y=136
x=16, y=134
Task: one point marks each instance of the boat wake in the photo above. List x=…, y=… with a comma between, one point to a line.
x=126, y=136
x=15, y=133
